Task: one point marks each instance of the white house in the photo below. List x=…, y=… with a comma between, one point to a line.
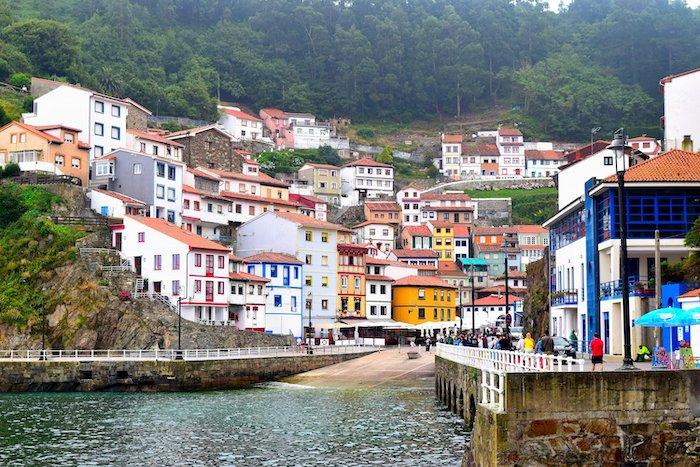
x=491, y=310
x=240, y=124
x=512, y=153
x=148, y=142
x=689, y=301
x=543, y=162
x=308, y=133
x=283, y=308
x=380, y=234
x=204, y=213
x=248, y=298
x=309, y=240
x=178, y=266
x=365, y=178
x=452, y=156
x=681, y=120
x=377, y=290
x=100, y=118
x=112, y=204
x=409, y=200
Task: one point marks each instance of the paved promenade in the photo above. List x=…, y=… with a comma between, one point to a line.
x=388, y=368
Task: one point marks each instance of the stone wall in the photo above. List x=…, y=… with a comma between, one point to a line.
x=608, y=418
x=494, y=212
x=218, y=155
x=136, y=119
x=156, y=376
x=520, y=183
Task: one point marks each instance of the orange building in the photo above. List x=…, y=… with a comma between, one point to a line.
x=351, y=280
x=53, y=149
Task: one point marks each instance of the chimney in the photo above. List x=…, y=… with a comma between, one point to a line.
x=687, y=144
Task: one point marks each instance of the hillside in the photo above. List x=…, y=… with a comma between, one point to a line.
x=556, y=74
x=532, y=206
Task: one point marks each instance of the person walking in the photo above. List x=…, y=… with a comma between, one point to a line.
x=427, y=344
x=597, y=348
x=573, y=339
x=528, y=343
x=547, y=344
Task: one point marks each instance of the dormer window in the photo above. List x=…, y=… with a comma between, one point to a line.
x=68, y=137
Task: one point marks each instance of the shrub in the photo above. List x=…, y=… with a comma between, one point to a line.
x=366, y=133
x=20, y=79
x=103, y=282
x=11, y=170
x=124, y=295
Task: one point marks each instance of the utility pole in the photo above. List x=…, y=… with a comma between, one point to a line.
x=506, y=277
x=657, y=275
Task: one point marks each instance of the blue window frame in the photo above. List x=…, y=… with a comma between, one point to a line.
x=273, y=270
x=296, y=272
x=294, y=303
x=104, y=210
x=251, y=269
x=278, y=300
x=285, y=276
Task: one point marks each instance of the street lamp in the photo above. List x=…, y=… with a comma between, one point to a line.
x=309, y=335
x=619, y=147
x=505, y=275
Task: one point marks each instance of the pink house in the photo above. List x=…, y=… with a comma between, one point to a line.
x=277, y=123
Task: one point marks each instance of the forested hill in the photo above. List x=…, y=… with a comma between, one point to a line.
x=596, y=63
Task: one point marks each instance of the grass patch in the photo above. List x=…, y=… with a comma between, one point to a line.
x=529, y=206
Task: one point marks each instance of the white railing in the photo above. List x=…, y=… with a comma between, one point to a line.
x=495, y=364
x=184, y=354
x=156, y=297
x=99, y=250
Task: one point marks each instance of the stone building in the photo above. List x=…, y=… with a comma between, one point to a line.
x=137, y=116
x=209, y=147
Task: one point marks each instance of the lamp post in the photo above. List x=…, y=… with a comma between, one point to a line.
x=471, y=270
x=43, y=335
x=619, y=146
x=309, y=335
x=505, y=251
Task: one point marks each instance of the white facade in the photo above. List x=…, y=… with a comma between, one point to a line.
x=377, y=295
x=511, y=161
x=409, y=201
x=488, y=315
x=204, y=214
x=381, y=235
x=110, y=204
x=568, y=309
x=365, y=180
x=311, y=135
x=101, y=119
x=681, y=109
x=142, y=142
x=689, y=303
x=239, y=124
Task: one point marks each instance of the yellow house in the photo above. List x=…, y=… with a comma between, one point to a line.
x=419, y=299
x=53, y=149
x=351, y=280
x=443, y=239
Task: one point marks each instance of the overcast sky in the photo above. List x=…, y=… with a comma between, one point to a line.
x=554, y=4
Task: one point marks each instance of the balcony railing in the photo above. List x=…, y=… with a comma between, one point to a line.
x=564, y=297
x=639, y=286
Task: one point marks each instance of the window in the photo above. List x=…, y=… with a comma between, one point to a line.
x=296, y=272
x=373, y=310
x=160, y=169
x=373, y=288
x=324, y=304
x=421, y=313
x=382, y=289
x=357, y=282
x=308, y=259
x=99, y=107
x=278, y=300
x=221, y=287
x=324, y=237
x=137, y=168
x=251, y=210
x=176, y=288
x=171, y=172
x=196, y=205
x=75, y=162
x=324, y=260
x=197, y=260
x=309, y=235
x=157, y=265
x=176, y=262
x=607, y=160
x=142, y=147
x=383, y=312
x=171, y=216
x=344, y=282
x=160, y=191
x=308, y=281
x=421, y=294
x=222, y=263
x=273, y=270
x=141, y=237
x=59, y=160
x=324, y=281
x=99, y=129
x=197, y=286
x=116, y=132
x=116, y=111
x=98, y=150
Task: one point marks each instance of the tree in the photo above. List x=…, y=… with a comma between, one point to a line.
x=386, y=156
x=20, y=80
x=51, y=46
x=11, y=170
x=4, y=119
x=11, y=205
x=329, y=155
x=536, y=302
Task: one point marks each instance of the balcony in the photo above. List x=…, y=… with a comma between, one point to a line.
x=639, y=286
x=564, y=297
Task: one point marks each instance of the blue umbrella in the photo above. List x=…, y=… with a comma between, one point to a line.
x=689, y=317
x=662, y=318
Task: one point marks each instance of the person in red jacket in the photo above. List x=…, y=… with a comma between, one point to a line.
x=597, y=348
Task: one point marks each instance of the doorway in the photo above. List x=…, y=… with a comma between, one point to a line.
x=118, y=241
x=606, y=331
x=137, y=265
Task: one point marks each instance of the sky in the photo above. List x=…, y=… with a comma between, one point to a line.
x=554, y=4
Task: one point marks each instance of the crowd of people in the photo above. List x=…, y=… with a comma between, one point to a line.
x=494, y=340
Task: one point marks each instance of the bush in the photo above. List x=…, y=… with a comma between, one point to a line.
x=103, y=282
x=11, y=205
x=11, y=170
x=366, y=133
x=124, y=295
x=28, y=103
x=20, y=79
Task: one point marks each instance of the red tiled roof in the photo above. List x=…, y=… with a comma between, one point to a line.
x=274, y=113
x=513, y=275
x=480, y=149
x=669, y=78
x=405, y=253
x=306, y=200
x=261, y=178
x=199, y=173
x=203, y=194
x=440, y=224
x=378, y=261
x=583, y=152
x=366, y=162
x=307, y=221
x=550, y=155
x=691, y=294
x=490, y=230
x=461, y=230
x=671, y=166
x=497, y=300
x=171, y=230
x=378, y=277
x=444, y=197
x=452, y=139
x=530, y=228
x=257, y=198
x=449, y=267
x=83, y=145
x=244, y=276
x=423, y=281
x=34, y=130
x=154, y=137
x=418, y=230
x=242, y=115
x=382, y=206
x=391, y=223
x=271, y=257
x=642, y=138
x=234, y=257
x=321, y=166
x=121, y=197
x=509, y=132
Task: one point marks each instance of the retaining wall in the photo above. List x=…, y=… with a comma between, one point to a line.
x=156, y=375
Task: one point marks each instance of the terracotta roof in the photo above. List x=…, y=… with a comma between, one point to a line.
x=444, y=197
x=261, y=178
x=550, y=155
x=58, y=125
x=203, y=194
x=154, y=137
x=199, y=129
x=199, y=173
x=530, y=228
x=405, y=253
x=423, y=281
x=452, y=139
x=378, y=261
x=441, y=224
x=513, y=275
x=388, y=222
x=234, y=257
x=129, y=100
x=642, y=138
x=691, y=294
x=274, y=113
x=480, y=149
x=271, y=257
x=171, y=230
x=307, y=221
x=83, y=145
x=307, y=200
x=257, y=198
x=449, y=268
x=501, y=289
x=34, y=130
x=509, y=132
x=497, y=300
x=244, y=276
x=489, y=230
x=242, y=115
x=320, y=166
x=378, y=277
x=583, y=152
x=367, y=163
x=671, y=77
x=671, y=166
x=121, y=197
x=382, y=206
x=418, y=230
x=461, y=230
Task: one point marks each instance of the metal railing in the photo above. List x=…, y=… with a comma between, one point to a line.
x=184, y=354
x=564, y=297
x=156, y=297
x=496, y=364
x=639, y=286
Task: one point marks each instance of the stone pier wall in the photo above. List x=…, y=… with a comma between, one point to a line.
x=156, y=376
x=609, y=418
